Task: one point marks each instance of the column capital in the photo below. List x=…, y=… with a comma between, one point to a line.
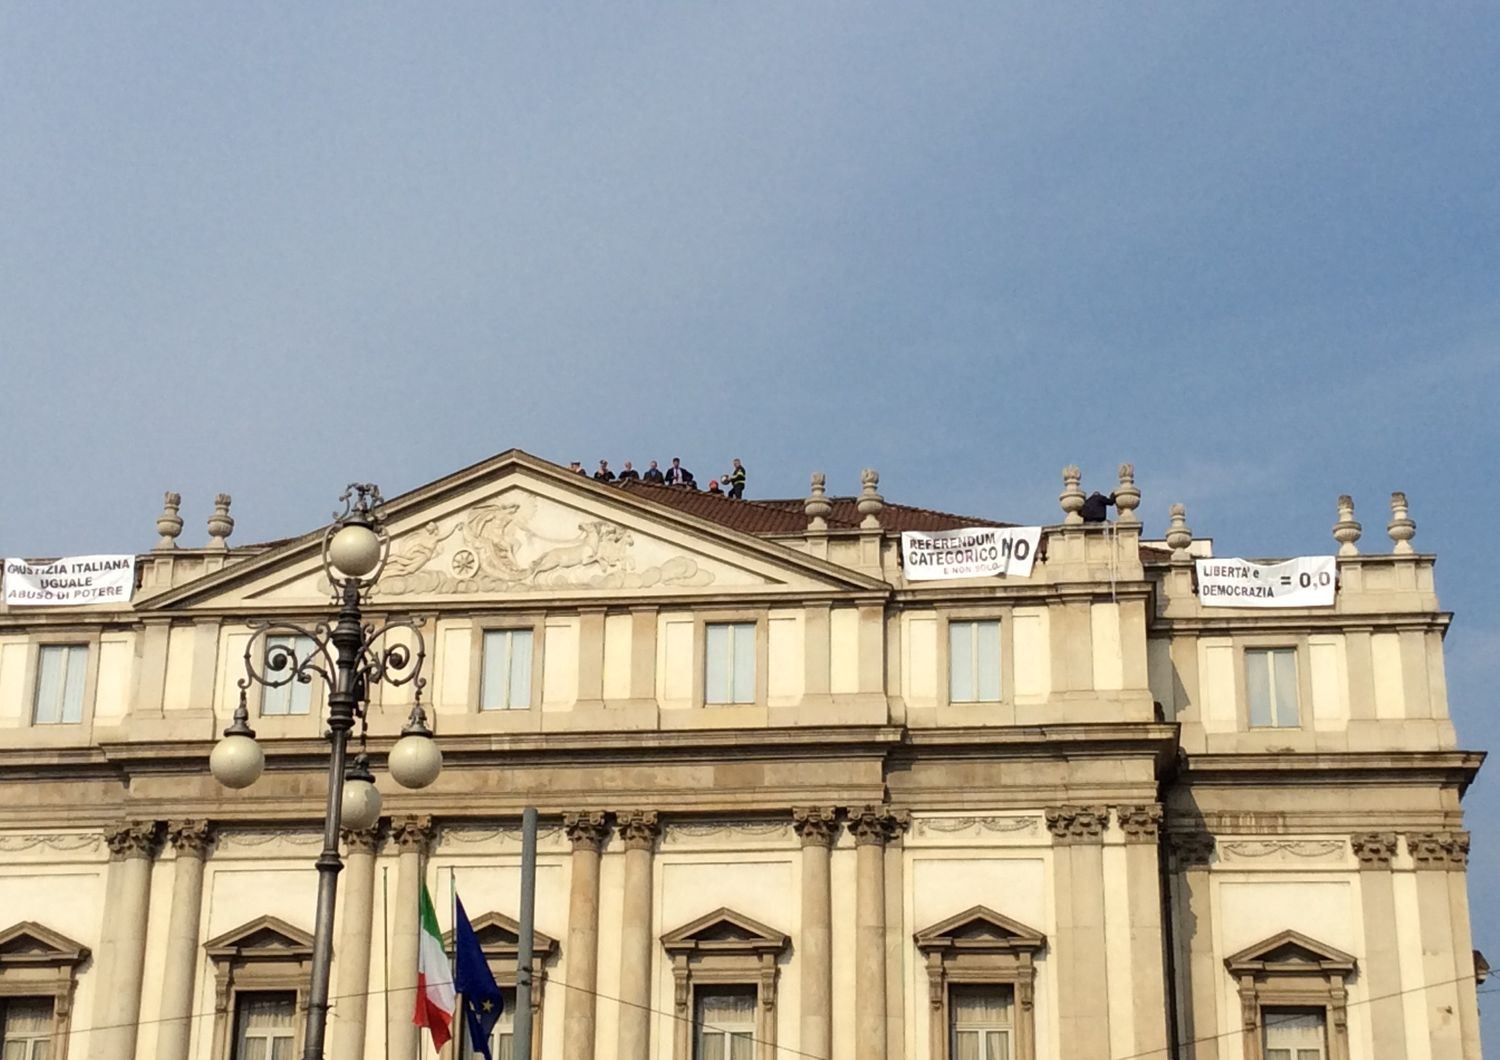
x=1373, y=849
x=1190, y=850
x=817, y=825
x=190, y=836
x=1077, y=824
x=132, y=839
x=363, y=840
x=412, y=832
x=587, y=829
x=1439, y=850
x=1141, y=824
x=877, y=825
x=640, y=829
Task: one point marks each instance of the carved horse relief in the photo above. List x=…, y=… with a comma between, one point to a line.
x=494, y=547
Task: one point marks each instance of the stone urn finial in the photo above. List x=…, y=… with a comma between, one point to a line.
x=220, y=523
x=870, y=500
x=169, y=522
x=1127, y=495
x=1071, y=498
x=816, y=505
x=1346, y=531
x=1401, y=528
x=1179, y=537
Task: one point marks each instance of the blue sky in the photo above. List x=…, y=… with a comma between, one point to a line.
x=270, y=248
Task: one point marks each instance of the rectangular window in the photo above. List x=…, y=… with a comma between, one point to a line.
x=724, y=1023
x=1271, y=679
x=60, y=673
x=502, y=1042
x=26, y=1028
x=973, y=662
x=265, y=1028
x=981, y=1022
x=1293, y=1034
x=294, y=697
x=729, y=663
x=505, y=682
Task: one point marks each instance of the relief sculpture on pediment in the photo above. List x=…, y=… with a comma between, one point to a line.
x=496, y=547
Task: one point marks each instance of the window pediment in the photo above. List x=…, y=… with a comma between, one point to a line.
x=30, y=943
x=500, y=936
x=980, y=930
x=264, y=938
x=1290, y=953
x=724, y=931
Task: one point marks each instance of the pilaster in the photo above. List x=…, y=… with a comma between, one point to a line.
x=818, y=828
x=639, y=830
x=1198, y=1028
x=352, y=959
x=1078, y=874
x=1141, y=826
x=587, y=830
x=190, y=839
x=872, y=827
x=132, y=846
x=412, y=835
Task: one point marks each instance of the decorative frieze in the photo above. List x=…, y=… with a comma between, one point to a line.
x=190, y=836
x=877, y=825
x=1077, y=824
x=956, y=825
x=1190, y=850
x=1439, y=850
x=1140, y=824
x=762, y=829
x=1374, y=849
x=817, y=825
x=133, y=839
x=412, y=832
x=639, y=829
x=64, y=842
x=1308, y=849
x=587, y=829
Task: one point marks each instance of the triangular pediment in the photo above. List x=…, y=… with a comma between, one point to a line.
x=516, y=527
x=1289, y=952
x=30, y=943
x=982, y=929
x=499, y=934
x=265, y=936
x=724, y=929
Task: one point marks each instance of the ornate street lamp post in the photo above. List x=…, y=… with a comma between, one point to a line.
x=349, y=657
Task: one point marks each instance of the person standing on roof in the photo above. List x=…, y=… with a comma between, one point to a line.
x=629, y=473
x=736, y=480
x=604, y=474
x=677, y=475
x=653, y=475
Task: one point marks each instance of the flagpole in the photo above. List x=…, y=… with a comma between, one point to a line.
x=460, y=1022
x=521, y=1025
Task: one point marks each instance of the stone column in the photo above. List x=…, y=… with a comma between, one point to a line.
x=818, y=827
x=128, y=899
x=1078, y=875
x=1198, y=1023
x=189, y=838
x=587, y=831
x=871, y=827
x=1141, y=825
x=639, y=829
x=1463, y=944
x=351, y=1000
x=1435, y=854
x=411, y=834
x=1382, y=963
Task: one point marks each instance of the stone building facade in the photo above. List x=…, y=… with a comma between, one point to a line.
x=793, y=805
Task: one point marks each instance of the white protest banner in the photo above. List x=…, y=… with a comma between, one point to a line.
x=70, y=581
x=1307, y=581
x=970, y=552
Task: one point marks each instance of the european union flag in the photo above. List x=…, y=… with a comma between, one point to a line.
x=471, y=976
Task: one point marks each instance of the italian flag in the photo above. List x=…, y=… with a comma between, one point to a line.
x=435, y=1000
